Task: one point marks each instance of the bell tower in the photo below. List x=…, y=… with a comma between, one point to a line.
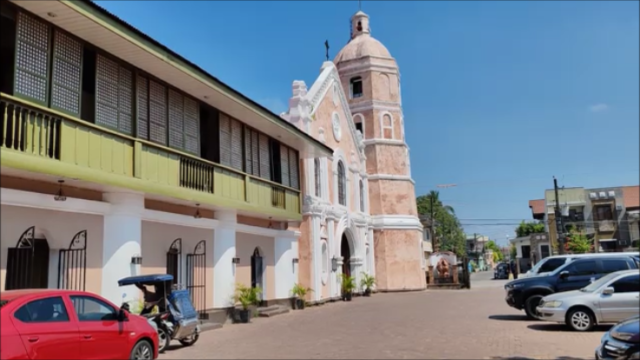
x=371, y=79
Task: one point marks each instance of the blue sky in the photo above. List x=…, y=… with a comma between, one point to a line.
x=498, y=97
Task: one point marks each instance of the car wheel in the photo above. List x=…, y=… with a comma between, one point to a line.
x=142, y=351
x=163, y=340
x=530, y=306
x=190, y=340
x=580, y=320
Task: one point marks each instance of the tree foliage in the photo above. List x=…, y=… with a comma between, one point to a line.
x=528, y=228
x=578, y=243
x=497, y=252
x=448, y=231
x=513, y=251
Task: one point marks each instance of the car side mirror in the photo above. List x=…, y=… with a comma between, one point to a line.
x=608, y=291
x=122, y=315
x=564, y=275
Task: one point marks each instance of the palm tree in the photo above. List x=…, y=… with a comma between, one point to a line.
x=432, y=206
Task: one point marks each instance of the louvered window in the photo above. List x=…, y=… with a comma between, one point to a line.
x=176, y=120
x=32, y=58
x=225, y=140
x=284, y=165
x=67, y=74
x=316, y=174
x=142, y=85
x=236, y=145
x=157, y=113
x=191, y=126
x=265, y=162
x=251, y=152
x=293, y=169
x=114, y=92
x=342, y=184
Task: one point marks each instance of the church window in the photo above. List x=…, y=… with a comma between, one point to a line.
x=358, y=120
x=316, y=170
x=342, y=186
x=361, y=196
x=359, y=27
x=356, y=87
x=387, y=126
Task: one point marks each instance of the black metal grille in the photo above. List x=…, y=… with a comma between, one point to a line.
x=72, y=264
x=257, y=271
x=28, y=263
x=174, y=260
x=197, y=278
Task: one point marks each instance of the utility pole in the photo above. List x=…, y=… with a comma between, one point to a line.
x=433, y=225
x=559, y=222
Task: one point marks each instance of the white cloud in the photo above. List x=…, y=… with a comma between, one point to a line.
x=276, y=105
x=598, y=107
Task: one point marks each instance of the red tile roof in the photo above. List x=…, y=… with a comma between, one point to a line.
x=631, y=196
x=537, y=206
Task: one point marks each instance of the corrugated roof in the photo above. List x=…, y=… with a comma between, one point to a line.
x=631, y=196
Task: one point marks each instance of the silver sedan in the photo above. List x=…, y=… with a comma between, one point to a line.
x=610, y=299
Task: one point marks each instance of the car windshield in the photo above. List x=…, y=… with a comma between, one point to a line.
x=598, y=283
x=534, y=270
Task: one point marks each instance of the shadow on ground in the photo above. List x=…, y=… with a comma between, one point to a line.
x=563, y=327
x=508, y=317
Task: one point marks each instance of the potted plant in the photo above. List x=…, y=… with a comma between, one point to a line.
x=299, y=292
x=367, y=282
x=246, y=296
x=348, y=285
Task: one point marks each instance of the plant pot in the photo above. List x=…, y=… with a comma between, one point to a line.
x=300, y=304
x=347, y=297
x=367, y=292
x=243, y=316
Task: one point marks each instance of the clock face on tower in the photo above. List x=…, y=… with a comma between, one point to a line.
x=337, y=130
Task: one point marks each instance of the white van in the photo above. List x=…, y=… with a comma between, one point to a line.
x=549, y=264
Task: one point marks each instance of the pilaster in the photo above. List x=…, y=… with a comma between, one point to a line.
x=224, y=250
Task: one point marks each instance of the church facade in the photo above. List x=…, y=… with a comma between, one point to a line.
x=359, y=209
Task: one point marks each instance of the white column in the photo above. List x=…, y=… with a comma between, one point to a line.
x=333, y=286
x=316, y=256
x=372, y=249
x=122, y=237
x=224, y=250
x=284, y=266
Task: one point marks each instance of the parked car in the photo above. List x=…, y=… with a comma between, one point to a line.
x=501, y=271
x=525, y=294
x=549, y=264
x=65, y=324
x=610, y=299
x=622, y=342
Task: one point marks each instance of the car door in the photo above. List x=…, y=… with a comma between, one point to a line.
x=102, y=335
x=623, y=303
x=580, y=274
x=46, y=329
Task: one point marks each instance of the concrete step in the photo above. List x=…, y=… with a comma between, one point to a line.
x=272, y=311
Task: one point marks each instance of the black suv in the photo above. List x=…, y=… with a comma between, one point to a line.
x=621, y=342
x=526, y=293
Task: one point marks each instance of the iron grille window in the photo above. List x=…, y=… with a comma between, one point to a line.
x=342, y=179
x=603, y=212
x=316, y=174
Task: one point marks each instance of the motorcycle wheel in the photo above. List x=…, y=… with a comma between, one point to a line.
x=189, y=340
x=163, y=341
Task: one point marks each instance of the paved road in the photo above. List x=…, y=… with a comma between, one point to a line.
x=452, y=324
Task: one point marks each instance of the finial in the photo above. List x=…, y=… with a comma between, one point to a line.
x=359, y=5
x=326, y=47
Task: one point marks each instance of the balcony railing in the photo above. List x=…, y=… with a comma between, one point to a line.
x=42, y=132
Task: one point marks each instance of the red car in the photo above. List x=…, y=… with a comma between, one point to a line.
x=65, y=324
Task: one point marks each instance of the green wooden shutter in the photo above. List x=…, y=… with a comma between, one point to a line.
x=106, y=93
x=125, y=100
x=265, y=162
x=157, y=113
x=236, y=144
x=32, y=59
x=176, y=120
x=248, y=165
x=191, y=126
x=255, y=153
x=66, y=77
x=142, y=106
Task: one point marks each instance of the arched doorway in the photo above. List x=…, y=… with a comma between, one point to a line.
x=345, y=251
x=28, y=263
x=257, y=270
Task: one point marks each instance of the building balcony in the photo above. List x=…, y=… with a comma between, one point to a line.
x=41, y=140
x=606, y=226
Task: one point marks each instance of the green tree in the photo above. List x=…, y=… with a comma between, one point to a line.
x=528, y=228
x=578, y=243
x=513, y=251
x=448, y=231
x=497, y=251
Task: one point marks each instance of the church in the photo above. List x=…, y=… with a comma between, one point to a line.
x=359, y=205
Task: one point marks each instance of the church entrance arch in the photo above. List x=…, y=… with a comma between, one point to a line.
x=346, y=251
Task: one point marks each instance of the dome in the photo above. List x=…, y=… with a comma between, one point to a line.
x=362, y=44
